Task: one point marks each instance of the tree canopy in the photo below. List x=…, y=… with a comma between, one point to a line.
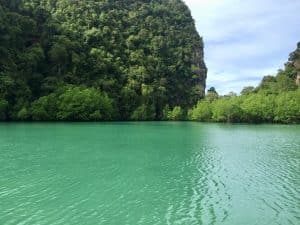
x=275, y=100
x=141, y=55
x=101, y=60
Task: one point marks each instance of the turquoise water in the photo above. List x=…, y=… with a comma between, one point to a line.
x=149, y=173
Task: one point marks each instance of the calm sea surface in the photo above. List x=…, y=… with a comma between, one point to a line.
x=149, y=173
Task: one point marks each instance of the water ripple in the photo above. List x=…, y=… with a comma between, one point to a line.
x=149, y=174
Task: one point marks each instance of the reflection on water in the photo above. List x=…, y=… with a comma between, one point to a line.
x=149, y=173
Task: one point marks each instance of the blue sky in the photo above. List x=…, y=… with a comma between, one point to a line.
x=245, y=39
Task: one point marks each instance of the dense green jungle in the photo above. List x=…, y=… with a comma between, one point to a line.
x=103, y=60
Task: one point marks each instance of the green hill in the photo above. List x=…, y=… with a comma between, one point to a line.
x=98, y=59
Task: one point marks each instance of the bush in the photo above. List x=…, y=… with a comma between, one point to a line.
x=3, y=109
x=143, y=113
x=259, y=108
x=176, y=114
x=227, y=110
x=23, y=114
x=288, y=107
x=73, y=104
x=201, y=112
x=80, y=103
x=45, y=108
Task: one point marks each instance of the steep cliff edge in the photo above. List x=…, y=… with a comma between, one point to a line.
x=294, y=64
x=142, y=55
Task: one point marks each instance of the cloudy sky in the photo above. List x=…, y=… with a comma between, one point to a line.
x=245, y=39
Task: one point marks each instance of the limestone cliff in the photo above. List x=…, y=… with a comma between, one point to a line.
x=294, y=64
x=144, y=55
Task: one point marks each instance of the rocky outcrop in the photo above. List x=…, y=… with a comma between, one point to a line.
x=294, y=64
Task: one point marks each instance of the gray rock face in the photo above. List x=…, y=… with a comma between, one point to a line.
x=298, y=79
x=201, y=69
x=294, y=60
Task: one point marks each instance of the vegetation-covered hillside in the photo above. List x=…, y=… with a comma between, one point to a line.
x=98, y=59
x=276, y=99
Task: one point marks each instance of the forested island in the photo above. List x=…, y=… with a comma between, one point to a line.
x=101, y=60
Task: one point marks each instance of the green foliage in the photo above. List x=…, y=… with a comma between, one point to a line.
x=250, y=108
x=276, y=99
x=201, y=112
x=176, y=114
x=121, y=60
x=3, y=109
x=268, y=84
x=143, y=113
x=247, y=90
x=227, y=110
x=212, y=95
x=143, y=54
x=23, y=114
x=45, y=108
x=212, y=90
x=259, y=108
x=74, y=104
x=282, y=82
x=83, y=104
x=288, y=107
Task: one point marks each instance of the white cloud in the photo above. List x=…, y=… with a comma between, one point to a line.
x=245, y=38
x=235, y=80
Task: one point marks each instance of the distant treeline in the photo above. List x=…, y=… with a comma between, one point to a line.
x=256, y=107
x=275, y=100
